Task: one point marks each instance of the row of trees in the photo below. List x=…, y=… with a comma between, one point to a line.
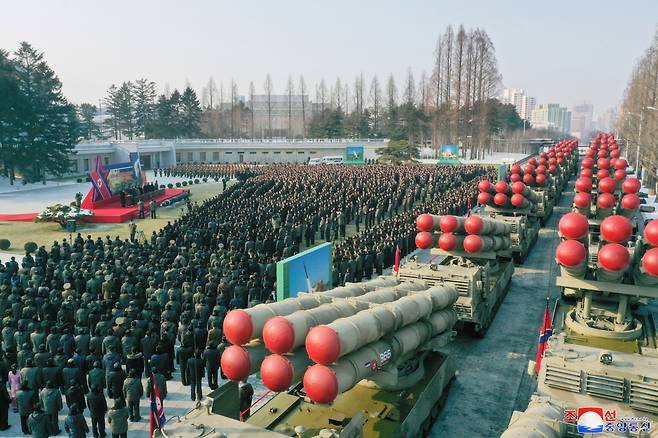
x=38, y=126
x=135, y=110
x=638, y=118
x=453, y=104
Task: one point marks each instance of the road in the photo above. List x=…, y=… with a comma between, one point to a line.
x=492, y=379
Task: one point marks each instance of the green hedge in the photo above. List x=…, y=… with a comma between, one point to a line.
x=4, y=244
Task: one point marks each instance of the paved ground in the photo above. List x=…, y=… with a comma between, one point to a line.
x=492, y=378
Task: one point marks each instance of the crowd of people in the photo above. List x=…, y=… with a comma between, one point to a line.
x=87, y=321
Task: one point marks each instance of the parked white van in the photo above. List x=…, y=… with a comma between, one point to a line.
x=337, y=159
x=314, y=161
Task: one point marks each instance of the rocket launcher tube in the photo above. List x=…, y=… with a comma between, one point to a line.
x=323, y=383
x=326, y=343
x=282, y=334
x=479, y=225
x=243, y=325
x=278, y=372
x=239, y=362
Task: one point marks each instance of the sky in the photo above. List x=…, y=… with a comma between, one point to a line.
x=565, y=52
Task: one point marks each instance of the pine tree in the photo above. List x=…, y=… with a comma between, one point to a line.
x=49, y=128
x=112, y=110
x=164, y=116
x=88, y=127
x=190, y=113
x=13, y=107
x=126, y=110
x=144, y=95
x=174, y=127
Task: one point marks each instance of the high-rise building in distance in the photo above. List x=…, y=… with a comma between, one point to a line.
x=523, y=103
x=551, y=116
x=581, y=120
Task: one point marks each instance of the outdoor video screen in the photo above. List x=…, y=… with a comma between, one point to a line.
x=122, y=179
x=304, y=272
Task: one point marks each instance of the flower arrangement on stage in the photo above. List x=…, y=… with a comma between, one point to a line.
x=62, y=213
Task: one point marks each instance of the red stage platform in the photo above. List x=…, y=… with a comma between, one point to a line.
x=110, y=212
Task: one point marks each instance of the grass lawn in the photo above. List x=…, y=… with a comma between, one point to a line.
x=19, y=233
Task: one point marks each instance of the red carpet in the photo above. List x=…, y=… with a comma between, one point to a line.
x=110, y=213
x=22, y=217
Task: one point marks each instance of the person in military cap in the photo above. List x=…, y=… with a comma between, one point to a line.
x=117, y=417
x=133, y=391
x=26, y=398
x=38, y=424
x=51, y=400
x=75, y=423
x=32, y=376
x=97, y=409
x=160, y=380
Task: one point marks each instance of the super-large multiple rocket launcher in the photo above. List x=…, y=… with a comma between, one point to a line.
x=381, y=331
x=603, y=349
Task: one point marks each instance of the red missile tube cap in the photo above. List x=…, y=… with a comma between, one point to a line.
x=620, y=175
x=500, y=199
x=424, y=240
x=541, y=169
x=532, y=161
x=528, y=178
x=238, y=327
x=582, y=199
x=515, y=168
x=587, y=173
x=570, y=253
x=473, y=244
x=614, y=257
x=650, y=261
x=484, y=186
x=320, y=384
x=425, y=222
x=573, y=226
x=603, y=163
x=323, y=345
x=235, y=363
x=583, y=184
x=447, y=242
x=616, y=229
x=278, y=335
x=518, y=200
x=651, y=232
x=602, y=173
x=448, y=223
x=276, y=372
x=501, y=187
x=602, y=153
x=588, y=163
x=518, y=187
x=621, y=163
x=484, y=198
x=529, y=169
x=473, y=224
x=540, y=179
x=607, y=185
x=552, y=168
x=631, y=185
x=605, y=200
x=515, y=177
x=615, y=153
x=630, y=201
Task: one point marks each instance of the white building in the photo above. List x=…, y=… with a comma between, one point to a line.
x=165, y=153
x=523, y=103
x=581, y=120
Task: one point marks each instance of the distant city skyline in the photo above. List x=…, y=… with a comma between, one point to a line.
x=585, y=55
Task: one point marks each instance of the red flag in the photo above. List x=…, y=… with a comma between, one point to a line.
x=544, y=334
x=397, y=259
x=157, y=417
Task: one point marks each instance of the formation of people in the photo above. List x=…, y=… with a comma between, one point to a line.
x=91, y=324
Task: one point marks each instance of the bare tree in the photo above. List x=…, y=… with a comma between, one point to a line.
x=391, y=92
x=268, y=91
x=337, y=94
x=410, y=88
x=322, y=97
x=359, y=84
x=346, y=98
x=376, y=99
x=302, y=91
x=290, y=90
x=252, y=92
x=209, y=93
x=234, y=95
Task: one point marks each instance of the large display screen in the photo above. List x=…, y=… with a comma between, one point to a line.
x=305, y=272
x=122, y=179
x=354, y=155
